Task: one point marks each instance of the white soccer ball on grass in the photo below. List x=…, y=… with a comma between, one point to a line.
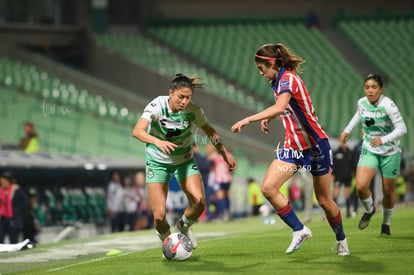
x=177, y=247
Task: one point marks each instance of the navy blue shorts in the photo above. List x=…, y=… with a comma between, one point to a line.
x=225, y=186
x=317, y=160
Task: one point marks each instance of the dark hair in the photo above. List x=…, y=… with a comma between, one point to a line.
x=7, y=175
x=183, y=81
x=281, y=54
x=250, y=179
x=32, y=132
x=375, y=77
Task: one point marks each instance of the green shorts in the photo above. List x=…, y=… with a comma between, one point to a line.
x=388, y=165
x=160, y=172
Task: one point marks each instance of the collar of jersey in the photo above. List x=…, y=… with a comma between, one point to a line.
x=378, y=101
x=275, y=83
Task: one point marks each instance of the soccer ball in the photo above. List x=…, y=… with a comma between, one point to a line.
x=177, y=246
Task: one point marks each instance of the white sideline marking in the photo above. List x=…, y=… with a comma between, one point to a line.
x=88, y=262
x=119, y=240
x=72, y=251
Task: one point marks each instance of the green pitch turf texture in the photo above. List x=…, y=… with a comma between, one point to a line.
x=246, y=246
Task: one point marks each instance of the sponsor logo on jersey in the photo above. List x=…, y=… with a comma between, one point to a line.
x=369, y=122
x=170, y=124
x=284, y=85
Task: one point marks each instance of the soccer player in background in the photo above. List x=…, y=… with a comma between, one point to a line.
x=165, y=127
x=383, y=125
x=222, y=178
x=342, y=174
x=254, y=196
x=306, y=144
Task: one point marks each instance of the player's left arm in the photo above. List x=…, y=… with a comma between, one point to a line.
x=397, y=120
x=215, y=139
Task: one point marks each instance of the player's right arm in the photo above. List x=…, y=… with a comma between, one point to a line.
x=152, y=113
x=351, y=125
x=266, y=115
x=265, y=125
x=140, y=133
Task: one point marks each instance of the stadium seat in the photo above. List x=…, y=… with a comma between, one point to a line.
x=148, y=53
x=69, y=216
x=55, y=211
x=236, y=42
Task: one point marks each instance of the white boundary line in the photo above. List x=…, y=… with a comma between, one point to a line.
x=88, y=262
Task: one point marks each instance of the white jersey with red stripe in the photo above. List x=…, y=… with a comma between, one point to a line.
x=221, y=169
x=303, y=130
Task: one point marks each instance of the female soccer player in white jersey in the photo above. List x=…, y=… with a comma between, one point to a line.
x=306, y=144
x=383, y=125
x=165, y=127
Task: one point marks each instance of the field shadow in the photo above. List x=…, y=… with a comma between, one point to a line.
x=346, y=264
x=201, y=264
x=399, y=237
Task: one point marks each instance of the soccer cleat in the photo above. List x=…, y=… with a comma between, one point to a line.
x=298, y=238
x=385, y=230
x=366, y=218
x=188, y=232
x=342, y=248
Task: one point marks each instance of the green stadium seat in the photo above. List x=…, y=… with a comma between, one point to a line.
x=162, y=59
x=69, y=216
x=64, y=114
x=230, y=56
x=88, y=140
x=52, y=206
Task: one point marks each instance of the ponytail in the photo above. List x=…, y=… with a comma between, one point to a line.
x=183, y=81
x=282, y=56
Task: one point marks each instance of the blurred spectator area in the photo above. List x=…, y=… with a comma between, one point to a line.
x=68, y=188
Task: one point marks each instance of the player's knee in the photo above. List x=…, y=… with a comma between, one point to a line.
x=200, y=203
x=267, y=190
x=362, y=192
x=159, y=217
x=323, y=203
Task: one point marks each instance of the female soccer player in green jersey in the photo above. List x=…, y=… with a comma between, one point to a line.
x=383, y=125
x=165, y=127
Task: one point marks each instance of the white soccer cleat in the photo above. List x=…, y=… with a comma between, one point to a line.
x=188, y=232
x=298, y=238
x=342, y=248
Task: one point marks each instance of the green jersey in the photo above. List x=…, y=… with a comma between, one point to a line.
x=383, y=120
x=174, y=127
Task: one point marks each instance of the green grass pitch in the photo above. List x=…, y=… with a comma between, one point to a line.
x=243, y=246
